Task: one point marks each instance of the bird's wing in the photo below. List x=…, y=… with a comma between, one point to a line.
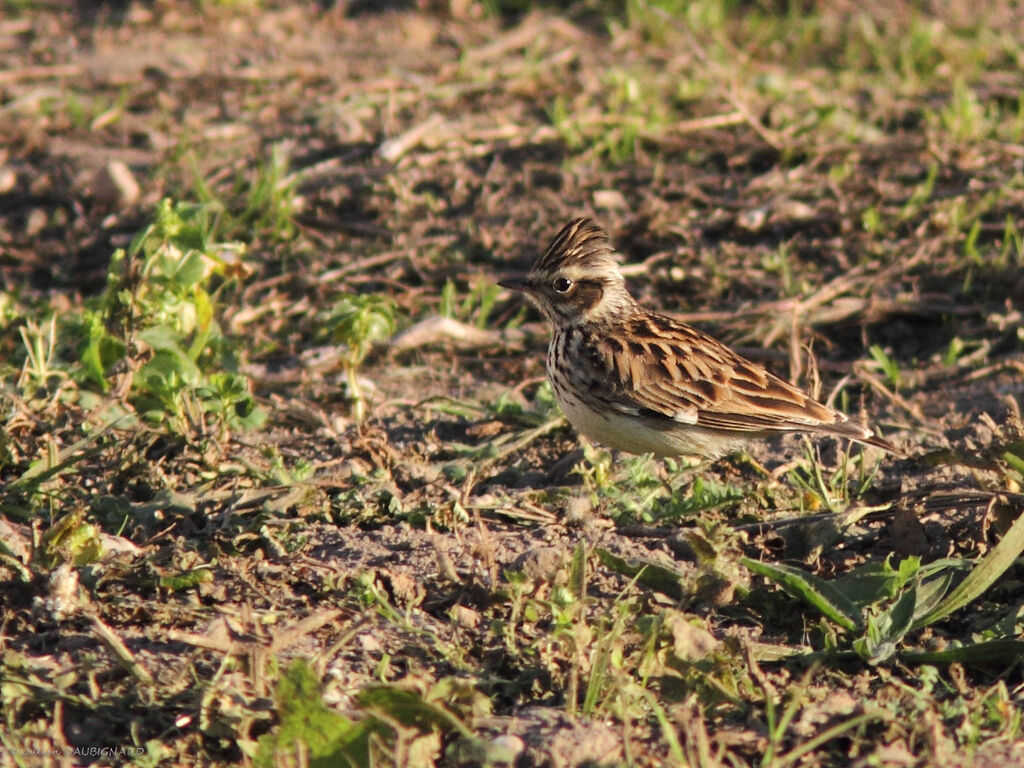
x=661, y=368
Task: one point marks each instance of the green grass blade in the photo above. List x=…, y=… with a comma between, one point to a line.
x=647, y=573
x=816, y=592
x=827, y=736
x=932, y=591
x=989, y=652
x=668, y=729
x=578, y=572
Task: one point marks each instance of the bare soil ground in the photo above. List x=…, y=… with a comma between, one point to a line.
x=850, y=221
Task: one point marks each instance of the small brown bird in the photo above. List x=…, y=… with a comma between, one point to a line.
x=643, y=382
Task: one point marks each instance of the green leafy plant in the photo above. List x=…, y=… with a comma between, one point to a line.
x=159, y=312
x=358, y=322
x=872, y=220
x=70, y=539
x=878, y=604
x=308, y=727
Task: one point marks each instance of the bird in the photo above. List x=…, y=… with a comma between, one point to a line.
x=644, y=382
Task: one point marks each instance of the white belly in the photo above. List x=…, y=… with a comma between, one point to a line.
x=638, y=435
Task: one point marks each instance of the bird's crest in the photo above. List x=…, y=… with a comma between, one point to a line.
x=581, y=244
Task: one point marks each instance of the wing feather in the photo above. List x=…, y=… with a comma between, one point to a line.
x=674, y=372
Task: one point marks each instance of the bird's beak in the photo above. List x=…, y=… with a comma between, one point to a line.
x=516, y=283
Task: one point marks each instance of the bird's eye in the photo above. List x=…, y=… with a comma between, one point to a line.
x=561, y=284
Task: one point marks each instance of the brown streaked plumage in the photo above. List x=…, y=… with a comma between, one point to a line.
x=644, y=382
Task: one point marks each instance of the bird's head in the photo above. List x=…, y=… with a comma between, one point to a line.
x=577, y=277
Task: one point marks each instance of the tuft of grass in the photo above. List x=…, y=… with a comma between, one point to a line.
x=263, y=203
x=633, y=104
x=40, y=373
x=833, y=489
x=638, y=492
x=889, y=367
x=475, y=306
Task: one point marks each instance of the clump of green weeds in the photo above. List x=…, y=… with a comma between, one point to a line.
x=616, y=658
x=149, y=349
x=872, y=609
x=155, y=331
